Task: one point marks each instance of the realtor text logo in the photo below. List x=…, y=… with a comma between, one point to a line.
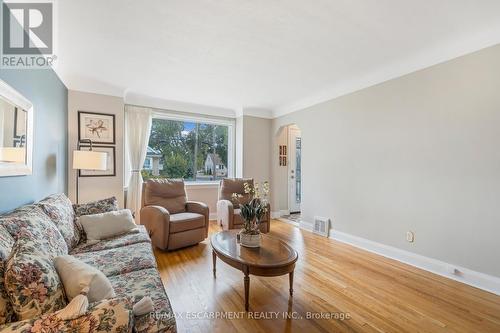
x=27, y=34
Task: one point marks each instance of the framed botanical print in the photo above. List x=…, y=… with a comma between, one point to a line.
x=111, y=162
x=98, y=127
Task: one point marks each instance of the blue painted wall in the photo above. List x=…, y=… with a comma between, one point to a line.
x=50, y=100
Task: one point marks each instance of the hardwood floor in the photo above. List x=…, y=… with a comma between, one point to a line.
x=379, y=294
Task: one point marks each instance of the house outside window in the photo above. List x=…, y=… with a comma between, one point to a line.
x=153, y=164
x=194, y=149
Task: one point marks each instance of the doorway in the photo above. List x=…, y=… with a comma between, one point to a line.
x=294, y=169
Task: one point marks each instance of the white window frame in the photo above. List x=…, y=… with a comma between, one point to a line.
x=202, y=119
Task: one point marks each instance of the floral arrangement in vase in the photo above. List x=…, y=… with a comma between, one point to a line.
x=252, y=212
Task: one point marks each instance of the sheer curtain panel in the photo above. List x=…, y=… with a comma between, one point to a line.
x=138, y=128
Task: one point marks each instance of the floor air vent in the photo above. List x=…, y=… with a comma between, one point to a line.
x=321, y=226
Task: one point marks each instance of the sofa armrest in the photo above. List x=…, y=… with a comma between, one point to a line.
x=199, y=208
x=225, y=214
x=112, y=315
x=156, y=219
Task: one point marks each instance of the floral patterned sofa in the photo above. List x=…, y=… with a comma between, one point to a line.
x=30, y=289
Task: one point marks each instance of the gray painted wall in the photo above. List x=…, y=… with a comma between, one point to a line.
x=256, y=154
x=420, y=153
x=50, y=99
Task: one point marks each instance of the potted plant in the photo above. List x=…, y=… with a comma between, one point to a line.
x=252, y=213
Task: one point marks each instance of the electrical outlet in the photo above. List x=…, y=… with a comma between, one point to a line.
x=410, y=236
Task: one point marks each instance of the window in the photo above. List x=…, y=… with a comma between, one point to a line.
x=197, y=150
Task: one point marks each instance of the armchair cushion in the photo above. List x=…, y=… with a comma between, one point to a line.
x=167, y=193
x=186, y=221
x=228, y=186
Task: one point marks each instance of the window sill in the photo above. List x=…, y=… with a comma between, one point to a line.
x=195, y=185
x=213, y=184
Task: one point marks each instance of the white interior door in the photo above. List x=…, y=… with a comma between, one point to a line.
x=294, y=170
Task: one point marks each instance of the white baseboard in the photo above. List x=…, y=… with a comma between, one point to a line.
x=454, y=272
x=279, y=213
x=461, y=274
x=276, y=215
x=306, y=226
x=285, y=220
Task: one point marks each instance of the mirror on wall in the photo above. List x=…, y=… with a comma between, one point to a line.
x=16, y=133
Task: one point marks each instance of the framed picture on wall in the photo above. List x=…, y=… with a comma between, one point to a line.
x=98, y=127
x=111, y=162
x=282, y=149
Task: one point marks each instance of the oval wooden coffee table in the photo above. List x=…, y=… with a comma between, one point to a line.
x=273, y=258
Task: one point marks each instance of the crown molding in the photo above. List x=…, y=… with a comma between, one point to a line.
x=164, y=104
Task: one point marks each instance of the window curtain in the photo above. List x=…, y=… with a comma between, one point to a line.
x=138, y=126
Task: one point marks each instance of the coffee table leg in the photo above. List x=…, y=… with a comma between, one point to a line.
x=290, y=278
x=246, y=280
x=214, y=260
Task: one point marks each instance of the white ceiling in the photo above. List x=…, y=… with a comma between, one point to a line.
x=261, y=55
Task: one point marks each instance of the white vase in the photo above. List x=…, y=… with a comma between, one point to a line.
x=249, y=240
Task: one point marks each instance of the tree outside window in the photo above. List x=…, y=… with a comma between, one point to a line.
x=189, y=150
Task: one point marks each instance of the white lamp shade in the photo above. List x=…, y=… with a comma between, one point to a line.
x=12, y=154
x=89, y=160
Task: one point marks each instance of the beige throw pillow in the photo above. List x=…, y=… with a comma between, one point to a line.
x=106, y=225
x=77, y=275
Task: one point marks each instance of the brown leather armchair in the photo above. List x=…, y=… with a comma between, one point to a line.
x=171, y=220
x=228, y=216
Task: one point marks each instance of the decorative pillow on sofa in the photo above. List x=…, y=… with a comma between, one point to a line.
x=33, y=228
x=106, y=225
x=32, y=283
x=6, y=245
x=60, y=210
x=77, y=275
x=96, y=207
